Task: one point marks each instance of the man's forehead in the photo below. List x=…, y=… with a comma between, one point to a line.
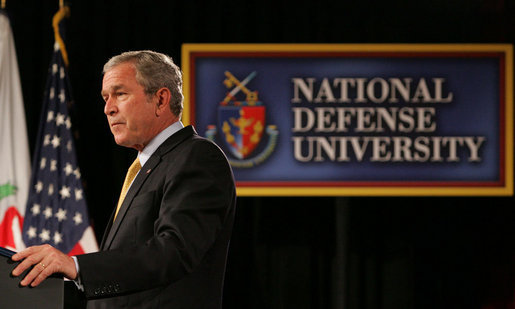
x=118, y=77
x=123, y=71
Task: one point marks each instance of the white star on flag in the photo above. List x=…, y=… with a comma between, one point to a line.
x=62, y=96
x=53, y=165
x=76, y=173
x=77, y=218
x=42, y=165
x=56, y=141
x=60, y=214
x=65, y=192
x=59, y=120
x=58, y=238
x=50, y=116
x=39, y=187
x=48, y=212
x=68, y=169
x=44, y=235
x=46, y=142
x=36, y=209
x=78, y=194
x=31, y=232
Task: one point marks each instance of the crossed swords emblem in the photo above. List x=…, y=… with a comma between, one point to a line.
x=230, y=81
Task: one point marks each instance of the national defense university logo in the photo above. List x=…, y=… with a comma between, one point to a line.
x=242, y=125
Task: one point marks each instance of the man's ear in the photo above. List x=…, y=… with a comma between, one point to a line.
x=163, y=97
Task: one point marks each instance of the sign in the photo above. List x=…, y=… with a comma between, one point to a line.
x=356, y=120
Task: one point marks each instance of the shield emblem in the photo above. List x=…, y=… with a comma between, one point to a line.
x=242, y=128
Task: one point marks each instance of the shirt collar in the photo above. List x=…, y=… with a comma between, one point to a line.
x=145, y=154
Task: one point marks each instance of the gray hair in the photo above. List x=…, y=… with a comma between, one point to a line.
x=154, y=71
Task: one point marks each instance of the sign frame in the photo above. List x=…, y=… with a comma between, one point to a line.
x=503, y=187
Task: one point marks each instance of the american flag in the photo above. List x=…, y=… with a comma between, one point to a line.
x=56, y=211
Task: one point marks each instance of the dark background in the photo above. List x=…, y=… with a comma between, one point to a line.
x=293, y=252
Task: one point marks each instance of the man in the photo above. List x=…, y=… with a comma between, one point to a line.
x=166, y=245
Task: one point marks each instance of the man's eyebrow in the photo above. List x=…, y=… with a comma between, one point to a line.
x=113, y=88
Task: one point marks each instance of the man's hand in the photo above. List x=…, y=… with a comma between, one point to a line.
x=47, y=260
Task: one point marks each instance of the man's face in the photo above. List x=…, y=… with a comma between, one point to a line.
x=130, y=113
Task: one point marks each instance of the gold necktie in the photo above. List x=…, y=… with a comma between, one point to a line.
x=131, y=173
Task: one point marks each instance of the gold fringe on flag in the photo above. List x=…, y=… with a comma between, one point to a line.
x=63, y=12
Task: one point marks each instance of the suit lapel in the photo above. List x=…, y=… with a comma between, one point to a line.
x=146, y=170
x=134, y=189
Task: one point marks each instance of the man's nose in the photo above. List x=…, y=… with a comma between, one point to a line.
x=110, y=107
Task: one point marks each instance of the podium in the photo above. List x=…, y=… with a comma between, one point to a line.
x=49, y=294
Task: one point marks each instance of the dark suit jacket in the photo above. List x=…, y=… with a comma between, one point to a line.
x=168, y=245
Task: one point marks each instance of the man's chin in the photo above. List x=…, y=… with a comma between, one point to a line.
x=120, y=141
